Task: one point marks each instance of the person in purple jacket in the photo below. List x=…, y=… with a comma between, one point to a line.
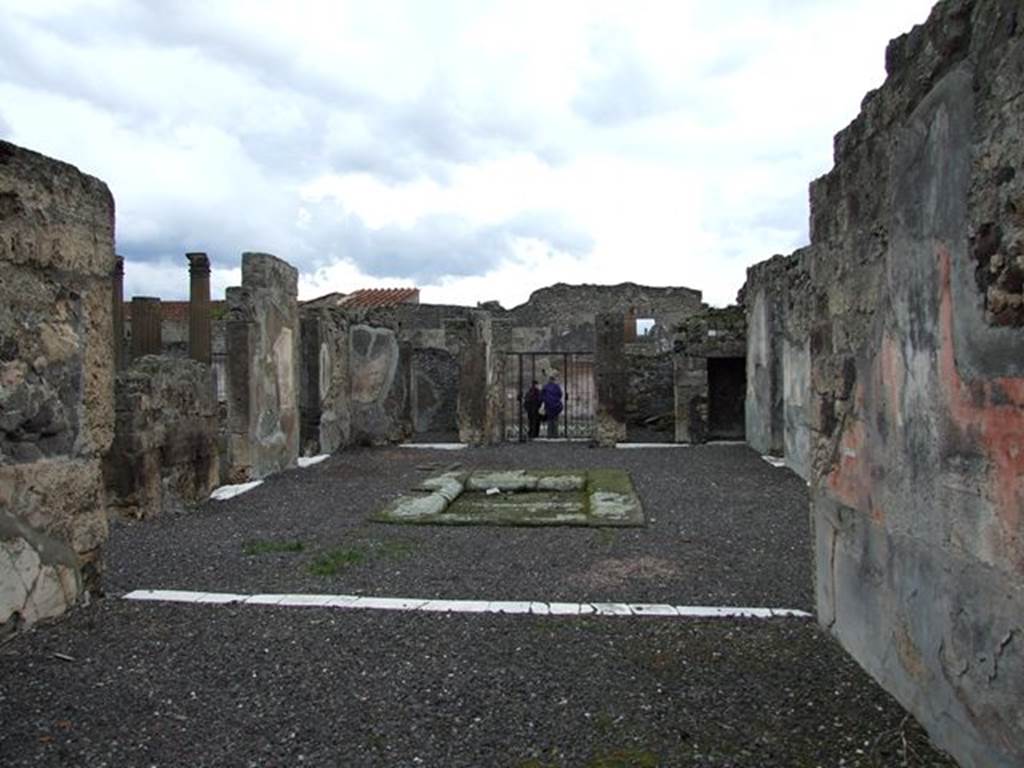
x=552, y=397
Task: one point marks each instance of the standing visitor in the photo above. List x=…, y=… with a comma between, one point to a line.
x=532, y=403
x=552, y=398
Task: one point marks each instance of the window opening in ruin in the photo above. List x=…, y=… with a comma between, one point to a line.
x=727, y=387
x=574, y=374
x=644, y=326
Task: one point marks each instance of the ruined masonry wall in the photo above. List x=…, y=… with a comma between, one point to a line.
x=263, y=368
x=56, y=381
x=165, y=452
x=355, y=379
x=917, y=375
x=779, y=305
x=650, y=397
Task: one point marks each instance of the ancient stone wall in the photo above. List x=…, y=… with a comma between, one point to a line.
x=356, y=378
x=566, y=308
x=778, y=310
x=380, y=365
x=165, y=454
x=479, y=395
x=917, y=380
x=435, y=392
x=560, y=318
x=611, y=378
x=56, y=381
x=709, y=388
x=650, y=395
x=263, y=368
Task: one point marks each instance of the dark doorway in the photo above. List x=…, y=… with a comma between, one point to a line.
x=727, y=391
x=574, y=372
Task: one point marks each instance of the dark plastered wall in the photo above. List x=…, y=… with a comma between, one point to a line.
x=435, y=381
x=917, y=375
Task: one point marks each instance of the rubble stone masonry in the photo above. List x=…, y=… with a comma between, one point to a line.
x=56, y=381
x=165, y=452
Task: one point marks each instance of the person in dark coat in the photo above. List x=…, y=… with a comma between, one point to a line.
x=531, y=402
x=552, y=397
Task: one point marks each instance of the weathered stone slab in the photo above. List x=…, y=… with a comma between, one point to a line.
x=521, y=497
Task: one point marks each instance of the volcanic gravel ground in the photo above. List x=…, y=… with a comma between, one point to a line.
x=137, y=684
x=724, y=528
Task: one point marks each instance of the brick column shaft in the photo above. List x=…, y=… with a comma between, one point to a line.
x=146, y=338
x=199, y=307
x=117, y=297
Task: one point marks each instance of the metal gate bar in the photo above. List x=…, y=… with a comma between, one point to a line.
x=576, y=377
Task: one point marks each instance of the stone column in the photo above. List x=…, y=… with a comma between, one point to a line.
x=263, y=338
x=610, y=376
x=691, y=398
x=473, y=380
x=145, y=326
x=117, y=297
x=199, y=307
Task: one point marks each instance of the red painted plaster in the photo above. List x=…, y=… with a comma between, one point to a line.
x=991, y=411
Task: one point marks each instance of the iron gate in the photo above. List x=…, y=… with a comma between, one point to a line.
x=574, y=372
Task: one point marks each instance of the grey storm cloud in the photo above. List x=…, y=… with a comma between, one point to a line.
x=431, y=248
x=398, y=141
x=435, y=246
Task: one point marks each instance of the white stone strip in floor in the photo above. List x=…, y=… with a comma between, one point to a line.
x=226, y=492
x=653, y=445
x=309, y=461
x=467, y=606
x=775, y=461
x=435, y=446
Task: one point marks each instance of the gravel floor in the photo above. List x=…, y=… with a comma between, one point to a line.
x=126, y=684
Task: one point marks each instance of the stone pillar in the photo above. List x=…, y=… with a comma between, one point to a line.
x=117, y=297
x=199, y=307
x=611, y=377
x=263, y=338
x=310, y=394
x=475, y=425
x=145, y=326
x=691, y=398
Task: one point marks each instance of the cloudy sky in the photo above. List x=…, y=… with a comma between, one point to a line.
x=476, y=149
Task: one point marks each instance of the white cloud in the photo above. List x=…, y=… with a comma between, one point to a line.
x=484, y=149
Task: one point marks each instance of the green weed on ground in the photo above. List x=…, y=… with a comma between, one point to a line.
x=331, y=562
x=334, y=560
x=270, y=546
x=619, y=758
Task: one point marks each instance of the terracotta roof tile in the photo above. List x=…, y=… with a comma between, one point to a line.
x=380, y=297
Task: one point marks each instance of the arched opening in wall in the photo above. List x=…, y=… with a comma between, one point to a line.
x=727, y=387
x=435, y=395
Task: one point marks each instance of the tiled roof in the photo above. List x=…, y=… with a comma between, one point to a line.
x=176, y=311
x=380, y=297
